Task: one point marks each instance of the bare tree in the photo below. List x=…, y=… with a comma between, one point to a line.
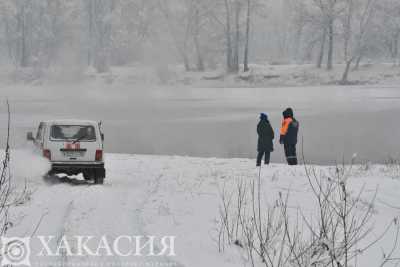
x=355, y=28
x=228, y=37
x=5, y=181
x=246, y=46
x=99, y=13
x=322, y=48
x=331, y=21
x=196, y=37
x=329, y=11
x=8, y=195
x=389, y=27
x=236, y=46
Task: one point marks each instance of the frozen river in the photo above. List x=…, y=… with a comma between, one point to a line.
x=336, y=122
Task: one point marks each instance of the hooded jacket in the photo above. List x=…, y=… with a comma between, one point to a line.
x=265, y=136
x=289, y=129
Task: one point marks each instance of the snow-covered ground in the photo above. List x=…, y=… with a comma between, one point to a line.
x=180, y=196
x=262, y=74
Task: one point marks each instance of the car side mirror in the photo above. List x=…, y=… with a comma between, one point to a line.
x=29, y=136
x=102, y=137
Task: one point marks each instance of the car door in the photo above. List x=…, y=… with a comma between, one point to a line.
x=74, y=143
x=39, y=139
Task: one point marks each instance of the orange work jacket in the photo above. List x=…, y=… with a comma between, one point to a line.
x=285, y=125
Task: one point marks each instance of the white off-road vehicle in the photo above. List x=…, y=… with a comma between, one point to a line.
x=73, y=147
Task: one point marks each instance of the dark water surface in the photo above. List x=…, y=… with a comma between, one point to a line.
x=335, y=121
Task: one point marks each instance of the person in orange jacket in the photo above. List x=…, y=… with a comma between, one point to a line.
x=288, y=135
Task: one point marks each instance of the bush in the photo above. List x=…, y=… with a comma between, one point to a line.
x=330, y=237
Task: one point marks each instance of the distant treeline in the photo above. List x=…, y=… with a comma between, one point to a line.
x=200, y=34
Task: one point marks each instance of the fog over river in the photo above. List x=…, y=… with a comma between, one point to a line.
x=335, y=121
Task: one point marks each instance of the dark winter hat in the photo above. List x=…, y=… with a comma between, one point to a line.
x=288, y=112
x=263, y=116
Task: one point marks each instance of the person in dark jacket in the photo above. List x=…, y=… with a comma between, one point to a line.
x=288, y=137
x=265, y=137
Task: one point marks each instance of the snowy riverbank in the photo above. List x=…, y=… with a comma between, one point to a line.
x=181, y=196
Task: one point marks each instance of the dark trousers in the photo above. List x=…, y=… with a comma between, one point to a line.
x=290, y=153
x=266, y=154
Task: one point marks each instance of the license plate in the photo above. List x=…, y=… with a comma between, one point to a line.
x=73, y=154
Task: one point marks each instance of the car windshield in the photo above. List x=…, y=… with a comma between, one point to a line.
x=72, y=132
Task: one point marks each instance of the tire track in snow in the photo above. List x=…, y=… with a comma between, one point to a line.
x=62, y=232
x=154, y=187
x=115, y=208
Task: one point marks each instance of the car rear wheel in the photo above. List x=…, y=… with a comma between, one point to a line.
x=100, y=174
x=99, y=180
x=89, y=175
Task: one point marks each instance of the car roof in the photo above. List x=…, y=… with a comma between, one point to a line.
x=71, y=122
